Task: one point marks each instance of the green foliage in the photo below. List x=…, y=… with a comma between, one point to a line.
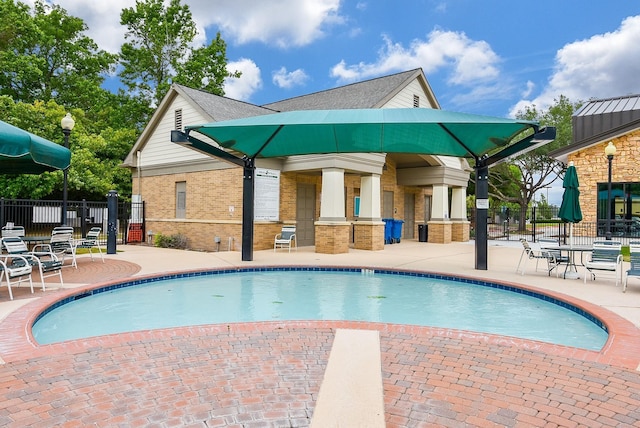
x=178, y=241
x=158, y=51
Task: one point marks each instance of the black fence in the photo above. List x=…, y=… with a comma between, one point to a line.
x=39, y=217
x=534, y=223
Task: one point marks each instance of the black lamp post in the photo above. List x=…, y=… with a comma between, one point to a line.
x=67, y=123
x=609, y=151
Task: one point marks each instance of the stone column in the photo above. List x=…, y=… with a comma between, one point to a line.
x=332, y=229
x=369, y=229
x=440, y=224
x=459, y=223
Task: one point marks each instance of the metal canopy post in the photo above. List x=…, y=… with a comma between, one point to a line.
x=482, y=208
x=248, y=196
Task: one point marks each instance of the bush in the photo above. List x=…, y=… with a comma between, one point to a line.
x=171, y=241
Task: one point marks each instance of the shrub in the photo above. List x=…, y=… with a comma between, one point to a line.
x=171, y=241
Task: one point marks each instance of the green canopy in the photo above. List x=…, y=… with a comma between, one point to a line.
x=402, y=130
x=22, y=152
x=570, y=208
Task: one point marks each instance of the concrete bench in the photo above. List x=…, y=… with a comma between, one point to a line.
x=351, y=393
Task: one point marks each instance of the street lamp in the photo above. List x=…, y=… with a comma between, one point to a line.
x=609, y=151
x=67, y=123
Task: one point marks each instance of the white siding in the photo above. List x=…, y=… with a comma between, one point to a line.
x=404, y=98
x=160, y=150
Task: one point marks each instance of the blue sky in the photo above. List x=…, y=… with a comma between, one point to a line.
x=487, y=57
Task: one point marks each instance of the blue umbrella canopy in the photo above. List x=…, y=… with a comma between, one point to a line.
x=570, y=208
x=22, y=152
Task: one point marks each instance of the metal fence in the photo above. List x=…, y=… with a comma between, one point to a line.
x=535, y=223
x=39, y=217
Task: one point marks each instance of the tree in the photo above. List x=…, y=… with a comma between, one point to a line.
x=95, y=157
x=518, y=180
x=46, y=56
x=158, y=51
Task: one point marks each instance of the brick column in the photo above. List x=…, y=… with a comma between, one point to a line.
x=440, y=231
x=369, y=235
x=332, y=237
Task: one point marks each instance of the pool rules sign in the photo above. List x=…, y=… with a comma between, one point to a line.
x=267, y=195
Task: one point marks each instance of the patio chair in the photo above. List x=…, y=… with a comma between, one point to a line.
x=61, y=244
x=47, y=263
x=552, y=247
x=634, y=269
x=15, y=267
x=529, y=253
x=286, y=238
x=605, y=257
x=11, y=230
x=90, y=242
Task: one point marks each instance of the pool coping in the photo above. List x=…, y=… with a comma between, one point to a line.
x=622, y=348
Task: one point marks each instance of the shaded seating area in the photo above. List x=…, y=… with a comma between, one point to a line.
x=91, y=241
x=606, y=257
x=537, y=254
x=47, y=262
x=14, y=267
x=286, y=238
x=634, y=268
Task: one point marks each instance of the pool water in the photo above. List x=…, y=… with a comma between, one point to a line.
x=278, y=295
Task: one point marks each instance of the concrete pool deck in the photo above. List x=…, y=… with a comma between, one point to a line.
x=269, y=374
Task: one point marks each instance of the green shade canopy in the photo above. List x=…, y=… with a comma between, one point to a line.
x=22, y=152
x=402, y=130
x=570, y=208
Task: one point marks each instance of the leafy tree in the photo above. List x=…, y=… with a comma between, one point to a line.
x=158, y=51
x=517, y=180
x=46, y=56
x=95, y=157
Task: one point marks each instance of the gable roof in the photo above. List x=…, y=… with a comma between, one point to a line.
x=600, y=120
x=372, y=93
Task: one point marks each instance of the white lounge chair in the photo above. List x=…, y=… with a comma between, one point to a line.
x=15, y=267
x=286, y=238
x=529, y=253
x=91, y=241
x=605, y=257
x=47, y=262
x=634, y=268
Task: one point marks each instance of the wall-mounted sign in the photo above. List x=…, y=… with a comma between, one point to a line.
x=267, y=195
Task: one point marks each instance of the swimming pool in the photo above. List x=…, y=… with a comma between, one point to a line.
x=313, y=293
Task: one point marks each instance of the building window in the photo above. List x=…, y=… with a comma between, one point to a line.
x=178, y=120
x=181, y=199
x=625, y=209
x=416, y=101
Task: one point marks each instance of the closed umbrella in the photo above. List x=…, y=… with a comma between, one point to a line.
x=570, y=208
x=22, y=152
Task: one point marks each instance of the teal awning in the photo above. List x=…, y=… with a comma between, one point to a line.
x=402, y=130
x=22, y=152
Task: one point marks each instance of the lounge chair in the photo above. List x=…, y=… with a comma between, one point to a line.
x=15, y=267
x=286, y=238
x=605, y=257
x=47, y=263
x=11, y=230
x=90, y=242
x=634, y=269
x=552, y=247
x=61, y=244
x=529, y=253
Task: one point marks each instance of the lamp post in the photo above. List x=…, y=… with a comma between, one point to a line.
x=67, y=123
x=609, y=151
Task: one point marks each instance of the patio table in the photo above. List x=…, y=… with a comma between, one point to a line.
x=571, y=271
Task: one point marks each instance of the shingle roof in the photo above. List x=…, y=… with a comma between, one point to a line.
x=222, y=108
x=368, y=94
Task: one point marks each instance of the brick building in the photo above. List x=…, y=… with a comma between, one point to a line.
x=595, y=124
x=200, y=197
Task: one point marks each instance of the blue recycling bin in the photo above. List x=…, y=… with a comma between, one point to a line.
x=396, y=230
x=388, y=228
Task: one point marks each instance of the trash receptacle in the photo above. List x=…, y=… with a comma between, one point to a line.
x=423, y=233
x=388, y=225
x=397, y=230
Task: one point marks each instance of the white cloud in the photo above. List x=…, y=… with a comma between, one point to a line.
x=247, y=84
x=283, y=23
x=605, y=65
x=466, y=61
x=287, y=80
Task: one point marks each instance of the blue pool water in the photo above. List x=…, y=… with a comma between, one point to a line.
x=297, y=294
